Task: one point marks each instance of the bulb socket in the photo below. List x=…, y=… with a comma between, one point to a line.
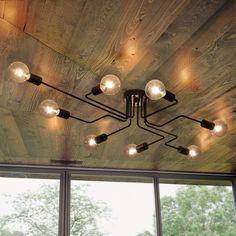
x=96, y=90
x=64, y=114
x=141, y=147
x=183, y=150
x=207, y=124
x=169, y=96
x=34, y=79
x=101, y=138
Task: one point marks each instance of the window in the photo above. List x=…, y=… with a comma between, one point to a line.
x=29, y=205
x=112, y=207
x=197, y=209
x=93, y=204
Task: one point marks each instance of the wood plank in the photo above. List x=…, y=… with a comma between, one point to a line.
x=2, y=5
x=118, y=20
x=198, y=45
x=15, y=12
x=16, y=96
x=191, y=19
x=12, y=144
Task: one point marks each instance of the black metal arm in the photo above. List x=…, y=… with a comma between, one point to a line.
x=148, y=130
x=145, y=115
x=92, y=121
x=104, y=105
x=82, y=100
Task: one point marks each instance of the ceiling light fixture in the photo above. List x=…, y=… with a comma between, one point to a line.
x=136, y=101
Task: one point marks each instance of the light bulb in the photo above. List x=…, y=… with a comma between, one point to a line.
x=49, y=108
x=220, y=128
x=194, y=152
x=155, y=89
x=90, y=141
x=110, y=84
x=18, y=72
x=131, y=150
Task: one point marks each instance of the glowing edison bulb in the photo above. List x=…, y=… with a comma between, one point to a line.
x=155, y=89
x=18, y=72
x=110, y=84
x=49, y=108
x=131, y=150
x=194, y=152
x=220, y=128
x=90, y=141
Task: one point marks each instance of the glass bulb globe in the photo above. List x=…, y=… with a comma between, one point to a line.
x=110, y=84
x=220, y=128
x=131, y=150
x=155, y=89
x=194, y=152
x=90, y=141
x=49, y=108
x=18, y=72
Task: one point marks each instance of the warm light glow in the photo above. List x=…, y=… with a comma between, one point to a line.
x=194, y=152
x=220, y=128
x=131, y=150
x=18, y=72
x=90, y=141
x=110, y=84
x=131, y=50
x=49, y=108
x=155, y=89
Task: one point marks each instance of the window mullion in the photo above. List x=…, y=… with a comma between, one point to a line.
x=157, y=206
x=64, y=210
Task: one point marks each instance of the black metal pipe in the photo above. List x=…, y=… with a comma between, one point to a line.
x=100, y=103
x=81, y=99
x=150, y=131
x=159, y=110
x=176, y=118
x=151, y=125
x=92, y=121
x=130, y=121
x=148, y=124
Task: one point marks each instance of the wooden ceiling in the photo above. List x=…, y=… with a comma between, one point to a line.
x=190, y=45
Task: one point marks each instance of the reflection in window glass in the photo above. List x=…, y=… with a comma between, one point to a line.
x=112, y=208
x=194, y=210
x=29, y=207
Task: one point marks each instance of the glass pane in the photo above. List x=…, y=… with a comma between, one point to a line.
x=195, y=209
x=112, y=207
x=29, y=206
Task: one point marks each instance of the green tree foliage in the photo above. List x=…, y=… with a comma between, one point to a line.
x=37, y=213
x=4, y=231
x=145, y=233
x=193, y=211
x=199, y=210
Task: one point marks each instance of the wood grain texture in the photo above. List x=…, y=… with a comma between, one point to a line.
x=15, y=12
x=190, y=20
x=2, y=5
x=189, y=45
